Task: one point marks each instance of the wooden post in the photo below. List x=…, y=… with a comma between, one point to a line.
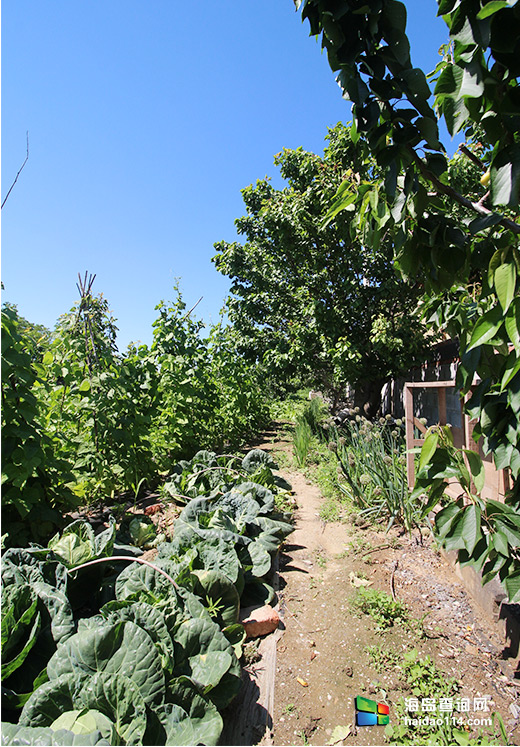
x=441, y=394
x=409, y=416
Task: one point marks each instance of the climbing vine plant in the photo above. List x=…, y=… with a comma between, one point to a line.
x=453, y=222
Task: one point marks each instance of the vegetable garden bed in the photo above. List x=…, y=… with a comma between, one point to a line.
x=123, y=652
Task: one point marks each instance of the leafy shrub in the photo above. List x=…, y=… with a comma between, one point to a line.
x=34, y=477
x=83, y=421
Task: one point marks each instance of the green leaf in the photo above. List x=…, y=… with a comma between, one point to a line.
x=505, y=176
x=21, y=622
x=501, y=544
x=449, y=80
x=147, y=617
x=44, y=735
x=486, y=327
x=213, y=586
x=491, y=8
x=512, y=323
x=505, y=282
x=85, y=722
x=512, y=584
x=345, y=199
x=428, y=449
x=476, y=467
x=197, y=722
x=508, y=529
x=470, y=527
x=116, y=697
x=119, y=648
x=454, y=538
x=84, y=386
x=78, y=544
x=483, y=222
x=203, y=652
x=417, y=83
x=511, y=369
x=236, y=635
x=445, y=6
x=444, y=519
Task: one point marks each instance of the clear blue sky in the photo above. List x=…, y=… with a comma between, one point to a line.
x=146, y=118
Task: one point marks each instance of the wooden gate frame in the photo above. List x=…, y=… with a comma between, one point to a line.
x=498, y=482
x=412, y=421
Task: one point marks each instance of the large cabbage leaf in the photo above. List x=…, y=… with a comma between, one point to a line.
x=149, y=618
x=255, y=558
x=21, y=565
x=256, y=592
x=30, y=632
x=203, y=653
x=262, y=495
x=121, y=648
x=219, y=594
x=21, y=622
x=117, y=697
x=86, y=721
x=217, y=555
x=78, y=544
x=190, y=718
x=241, y=507
x=256, y=458
x=14, y=734
x=279, y=528
x=210, y=522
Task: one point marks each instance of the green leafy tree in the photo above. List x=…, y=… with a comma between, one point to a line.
x=314, y=301
x=462, y=244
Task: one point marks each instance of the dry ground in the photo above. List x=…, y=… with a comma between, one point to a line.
x=322, y=662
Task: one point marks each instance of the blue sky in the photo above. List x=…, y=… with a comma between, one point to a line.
x=146, y=118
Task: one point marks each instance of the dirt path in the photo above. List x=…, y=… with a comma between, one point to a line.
x=322, y=661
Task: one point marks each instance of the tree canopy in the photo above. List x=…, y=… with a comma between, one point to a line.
x=317, y=301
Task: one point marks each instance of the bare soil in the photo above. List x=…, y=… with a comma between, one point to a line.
x=322, y=663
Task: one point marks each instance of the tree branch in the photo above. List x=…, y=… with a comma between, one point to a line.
x=472, y=157
x=192, y=308
x=18, y=174
x=464, y=201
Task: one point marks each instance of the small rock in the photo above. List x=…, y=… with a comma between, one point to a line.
x=259, y=621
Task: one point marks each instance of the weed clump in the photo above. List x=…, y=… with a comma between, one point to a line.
x=384, y=610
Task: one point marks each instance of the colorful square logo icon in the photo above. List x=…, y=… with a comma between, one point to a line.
x=371, y=713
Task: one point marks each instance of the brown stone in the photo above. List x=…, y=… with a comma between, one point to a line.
x=259, y=620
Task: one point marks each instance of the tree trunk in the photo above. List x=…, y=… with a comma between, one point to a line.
x=368, y=397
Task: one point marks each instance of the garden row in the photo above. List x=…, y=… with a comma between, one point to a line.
x=100, y=646
x=82, y=421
